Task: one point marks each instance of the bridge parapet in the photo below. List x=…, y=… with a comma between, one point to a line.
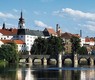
x=34, y=56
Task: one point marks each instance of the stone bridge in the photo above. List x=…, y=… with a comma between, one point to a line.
x=44, y=58
x=60, y=58
x=77, y=58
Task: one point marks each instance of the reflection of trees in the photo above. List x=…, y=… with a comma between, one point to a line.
x=6, y=72
x=69, y=75
x=75, y=75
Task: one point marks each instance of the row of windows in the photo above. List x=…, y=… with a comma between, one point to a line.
x=3, y=38
x=22, y=45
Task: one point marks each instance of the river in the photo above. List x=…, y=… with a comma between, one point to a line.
x=50, y=72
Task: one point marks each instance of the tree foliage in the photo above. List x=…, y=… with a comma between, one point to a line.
x=75, y=44
x=52, y=45
x=9, y=52
x=39, y=46
x=82, y=51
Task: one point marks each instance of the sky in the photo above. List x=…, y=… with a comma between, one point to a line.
x=71, y=15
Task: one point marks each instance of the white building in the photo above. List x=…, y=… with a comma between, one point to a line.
x=22, y=36
x=87, y=41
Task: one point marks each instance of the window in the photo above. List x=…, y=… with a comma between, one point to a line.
x=27, y=43
x=21, y=36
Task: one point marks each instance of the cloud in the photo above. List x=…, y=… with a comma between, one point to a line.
x=75, y=13
x=41, y=24
x=15, y=10
x=9, y=25
x=36, y=13
x=90, y=25
x=8, y=15
x=83, y=20
x=39, y=13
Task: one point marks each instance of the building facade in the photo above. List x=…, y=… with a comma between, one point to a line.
x=23, y=37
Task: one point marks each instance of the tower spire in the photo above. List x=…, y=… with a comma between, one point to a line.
x=21, y=14
x=21, y=23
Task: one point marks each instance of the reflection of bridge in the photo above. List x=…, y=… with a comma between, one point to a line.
x=74, y=58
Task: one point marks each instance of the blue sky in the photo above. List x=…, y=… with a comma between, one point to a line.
x=71, y=15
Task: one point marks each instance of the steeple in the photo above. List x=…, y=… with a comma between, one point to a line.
x=21, y=23
x=3, y=26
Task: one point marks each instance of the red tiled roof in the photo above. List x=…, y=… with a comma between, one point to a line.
x=19, y=42
x=13, y=41
x=89, y=40
x=8, y=31
x=51, y=31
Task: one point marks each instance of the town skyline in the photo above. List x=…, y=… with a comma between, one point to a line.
x=47, y=13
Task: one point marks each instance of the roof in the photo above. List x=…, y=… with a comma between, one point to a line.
x=8, y=31
x=87, y=39
x=30, y=32
x=19, y=42
x=13, y=41
x=49, y=31
x=67, y=35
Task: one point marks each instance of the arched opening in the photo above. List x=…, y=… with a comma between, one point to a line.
x=37, y=61
x=83, y=61
x=52, y=61
x=22, y=60
x=67, y=61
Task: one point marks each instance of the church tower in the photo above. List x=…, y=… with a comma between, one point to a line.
x=21, y=23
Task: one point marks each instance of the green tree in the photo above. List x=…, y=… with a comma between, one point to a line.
x=52, y=45
x=82, y=51
x=40, y=46
x=9, y=52
x=75, y=44
x=55, y=45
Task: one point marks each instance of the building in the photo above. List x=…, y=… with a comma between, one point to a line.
x=23, y=37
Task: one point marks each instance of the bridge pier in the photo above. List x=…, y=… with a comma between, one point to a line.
x=91, y=62
x=60, y=59
x=44, y=61
x=29, y=60
x=75, y=61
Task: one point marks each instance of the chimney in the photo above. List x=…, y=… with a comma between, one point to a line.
x=80, y=33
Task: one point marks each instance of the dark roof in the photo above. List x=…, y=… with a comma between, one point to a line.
x=30, y=32
x=67, y=35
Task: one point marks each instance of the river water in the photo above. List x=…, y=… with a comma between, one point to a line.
x=50, y=72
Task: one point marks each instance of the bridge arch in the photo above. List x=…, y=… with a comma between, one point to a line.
x=37, y=60
x=87, y=60
x=64, y=60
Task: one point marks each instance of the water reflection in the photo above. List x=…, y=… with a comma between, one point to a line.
x=88, y=75
x=19, y=74
x=51, y=72
x=29, y=75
